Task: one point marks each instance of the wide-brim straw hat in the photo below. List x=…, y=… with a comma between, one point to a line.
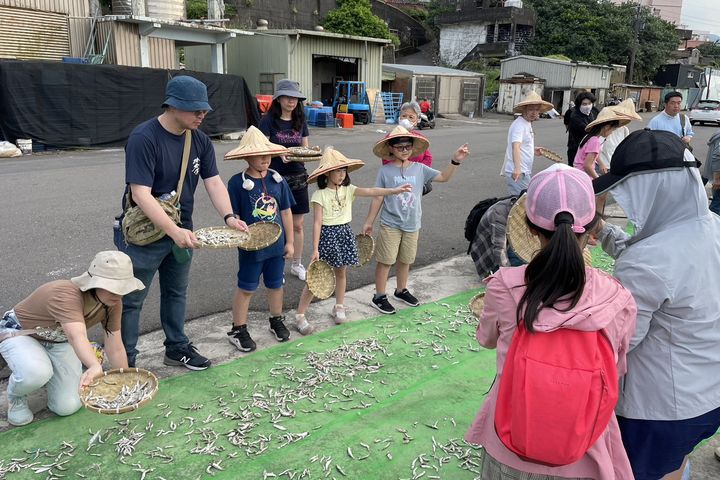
x=253, y=143
x=333, y=160
x=627, y=108
x=320, y=279
x=382, y=148
x=112, y=271
x=523, y=242
x=533, y=98
x=607, y=115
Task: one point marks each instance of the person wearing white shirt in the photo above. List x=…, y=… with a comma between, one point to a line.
x=521, y=149
x=671, y=120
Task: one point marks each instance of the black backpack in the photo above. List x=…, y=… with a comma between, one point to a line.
x=477, y=212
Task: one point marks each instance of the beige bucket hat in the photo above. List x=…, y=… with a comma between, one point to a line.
x=607, y=115
x=112, y=271
x=382, y=148
x=254, y=142
x=332, y=160
x=533, y=98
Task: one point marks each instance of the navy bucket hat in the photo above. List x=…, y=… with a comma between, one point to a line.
x=187, y=94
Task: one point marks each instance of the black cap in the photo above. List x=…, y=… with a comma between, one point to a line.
x=643, y=151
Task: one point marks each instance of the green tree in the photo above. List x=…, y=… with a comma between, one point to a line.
x=355, y=17
x=599, y=31
x=710, y=53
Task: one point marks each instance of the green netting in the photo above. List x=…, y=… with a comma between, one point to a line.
x=386, y=397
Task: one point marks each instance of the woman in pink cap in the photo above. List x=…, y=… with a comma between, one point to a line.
x=535, y=410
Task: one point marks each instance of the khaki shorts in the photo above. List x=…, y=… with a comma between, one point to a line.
x=395, y=245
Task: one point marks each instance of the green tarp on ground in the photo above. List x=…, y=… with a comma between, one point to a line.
x=387, y=397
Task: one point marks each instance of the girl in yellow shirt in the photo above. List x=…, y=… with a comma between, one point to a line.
x=333, y=238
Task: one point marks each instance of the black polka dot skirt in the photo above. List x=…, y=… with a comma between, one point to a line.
x=337, y=245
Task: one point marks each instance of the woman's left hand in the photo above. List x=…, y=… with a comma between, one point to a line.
x=90, y=374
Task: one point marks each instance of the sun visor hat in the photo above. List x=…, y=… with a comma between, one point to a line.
x=187, y=94
x=644, y=151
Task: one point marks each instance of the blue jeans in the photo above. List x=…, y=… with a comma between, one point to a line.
x=715, y=202
x=155, y=257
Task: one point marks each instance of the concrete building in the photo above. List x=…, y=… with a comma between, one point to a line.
x=484, y=28
x=670, y=10
x=449, y=91
x=149, y=35
x=316, y=59
x=562, y=80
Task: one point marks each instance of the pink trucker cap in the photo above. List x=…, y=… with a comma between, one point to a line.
x=560, y=188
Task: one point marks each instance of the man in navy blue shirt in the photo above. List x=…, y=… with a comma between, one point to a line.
x=153, y=159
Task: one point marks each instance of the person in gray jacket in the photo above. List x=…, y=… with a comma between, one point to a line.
x=670, y=396
x=712, y=170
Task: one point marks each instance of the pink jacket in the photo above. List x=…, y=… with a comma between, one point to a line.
x=605, y=304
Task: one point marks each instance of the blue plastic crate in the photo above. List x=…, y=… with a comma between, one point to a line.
x=311, y=115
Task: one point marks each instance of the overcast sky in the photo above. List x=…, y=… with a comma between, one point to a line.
x=701, y=15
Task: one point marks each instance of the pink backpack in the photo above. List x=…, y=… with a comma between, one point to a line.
x=557, y=394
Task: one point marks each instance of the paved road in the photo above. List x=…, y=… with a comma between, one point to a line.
x=57, y=209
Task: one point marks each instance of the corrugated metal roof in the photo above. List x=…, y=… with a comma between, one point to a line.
x=323, y=34
x=429, y=70
x=552, y=60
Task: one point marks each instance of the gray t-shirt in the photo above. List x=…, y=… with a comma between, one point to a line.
x=404, y=211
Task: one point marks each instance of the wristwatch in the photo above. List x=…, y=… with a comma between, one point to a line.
x=230, y=215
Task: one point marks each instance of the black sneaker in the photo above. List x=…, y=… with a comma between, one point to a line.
x=240, y=337
x=382, y=304
x=278, y=328
x=406, y=297
x=186, y=356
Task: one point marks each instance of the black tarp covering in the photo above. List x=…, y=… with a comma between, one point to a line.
x=70, y=105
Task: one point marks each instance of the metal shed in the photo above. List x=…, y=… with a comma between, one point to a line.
x=450, y=91
x=563, y=79
x=316, y=59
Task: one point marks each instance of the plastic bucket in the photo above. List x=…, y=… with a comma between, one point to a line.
x=25, y=145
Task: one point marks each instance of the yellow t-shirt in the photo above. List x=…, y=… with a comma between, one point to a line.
x=337, y=204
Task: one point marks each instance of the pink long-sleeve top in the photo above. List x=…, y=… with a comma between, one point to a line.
x=605, y=304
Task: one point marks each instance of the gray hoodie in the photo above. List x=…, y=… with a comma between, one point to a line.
x=712, y=163
x=672, y=267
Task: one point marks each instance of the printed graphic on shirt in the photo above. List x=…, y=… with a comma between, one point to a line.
x=407, y=199
x=288, y=137
x=196, y=166
x=265, y=207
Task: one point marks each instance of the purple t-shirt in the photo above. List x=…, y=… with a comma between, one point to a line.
x=282, y=132
x=593, y=145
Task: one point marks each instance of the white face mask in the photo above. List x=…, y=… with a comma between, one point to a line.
x=406, y=124
x=586, y=109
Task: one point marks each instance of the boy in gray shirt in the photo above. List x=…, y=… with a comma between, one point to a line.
x=400, y=218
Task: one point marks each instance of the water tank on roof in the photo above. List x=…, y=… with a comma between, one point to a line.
x=166, y=9
x=514, y=3
x=162, y=9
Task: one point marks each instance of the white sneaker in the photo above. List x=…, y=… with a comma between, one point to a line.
x=299, y=271
x=18, y=411
x=339, y=314
x=302, y=325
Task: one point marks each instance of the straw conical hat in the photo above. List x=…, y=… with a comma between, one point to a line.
x=627, y=108
x=254, y=142
x=533, y=98
x=606, y=115
x=382, y=148
x=332, y=160
x=523, y=242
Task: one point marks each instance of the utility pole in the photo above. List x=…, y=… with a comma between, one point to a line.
x=635, y=43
